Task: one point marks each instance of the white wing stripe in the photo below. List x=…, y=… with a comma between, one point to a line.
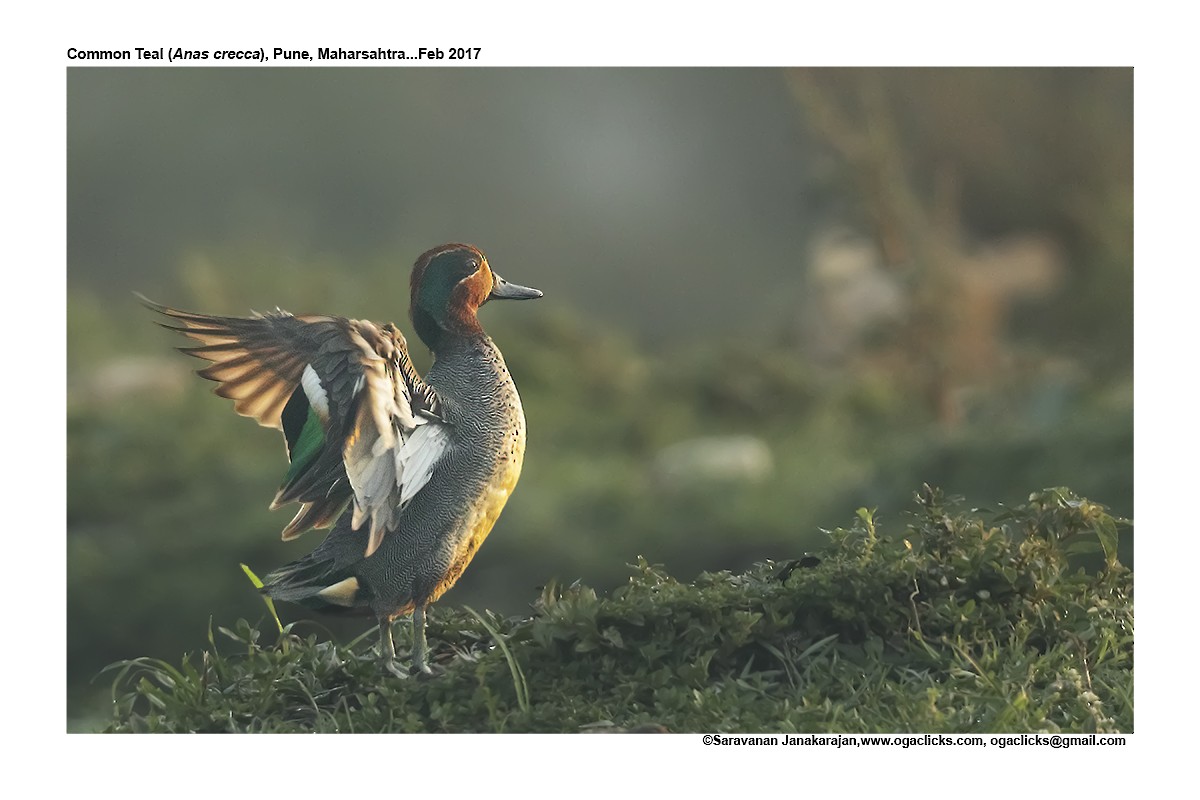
x=416, y=459
x=392, y=454
x=315, y=392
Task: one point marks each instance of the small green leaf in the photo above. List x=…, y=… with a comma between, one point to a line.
x=1081, y=547
x=258, y=584
x=253, y=578
x=518, y=675
x=817, y=647
x=1105, y=528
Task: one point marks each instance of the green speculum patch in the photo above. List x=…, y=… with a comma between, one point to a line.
x=306, y=446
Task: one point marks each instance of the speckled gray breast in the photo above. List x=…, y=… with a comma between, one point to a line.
x=487, y=445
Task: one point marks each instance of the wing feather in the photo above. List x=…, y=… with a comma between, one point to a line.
x=383, y=428
x=256, y=361
x=419, y=455
x=395, y=407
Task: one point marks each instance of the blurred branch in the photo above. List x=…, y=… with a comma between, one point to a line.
x=958, y=298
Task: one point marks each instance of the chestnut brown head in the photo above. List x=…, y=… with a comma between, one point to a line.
x=449, y=284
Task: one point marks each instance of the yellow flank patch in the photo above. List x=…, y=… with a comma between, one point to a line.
x=342, y=593
x=480, y=519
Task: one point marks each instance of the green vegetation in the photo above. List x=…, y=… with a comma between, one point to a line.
x=958, y=621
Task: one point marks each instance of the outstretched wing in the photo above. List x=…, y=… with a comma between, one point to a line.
x=360, y=424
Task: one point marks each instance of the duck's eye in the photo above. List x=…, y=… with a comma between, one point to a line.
x=473, y=264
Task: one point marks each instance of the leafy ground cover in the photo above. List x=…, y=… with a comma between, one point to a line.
x=955, y=621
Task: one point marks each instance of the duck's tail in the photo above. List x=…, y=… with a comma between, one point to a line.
x=324, y=579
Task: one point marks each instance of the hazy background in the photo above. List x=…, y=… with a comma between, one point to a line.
x=771, y=297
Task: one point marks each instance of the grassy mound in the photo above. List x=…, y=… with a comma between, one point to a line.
x=949, y=624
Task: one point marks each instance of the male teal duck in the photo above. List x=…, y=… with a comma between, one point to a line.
x=411, y=473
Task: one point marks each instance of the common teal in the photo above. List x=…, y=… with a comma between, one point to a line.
x=411, y=473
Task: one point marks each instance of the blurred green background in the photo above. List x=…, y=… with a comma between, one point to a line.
x=772, y=296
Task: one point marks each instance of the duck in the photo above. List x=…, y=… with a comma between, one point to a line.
x=409, y=473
